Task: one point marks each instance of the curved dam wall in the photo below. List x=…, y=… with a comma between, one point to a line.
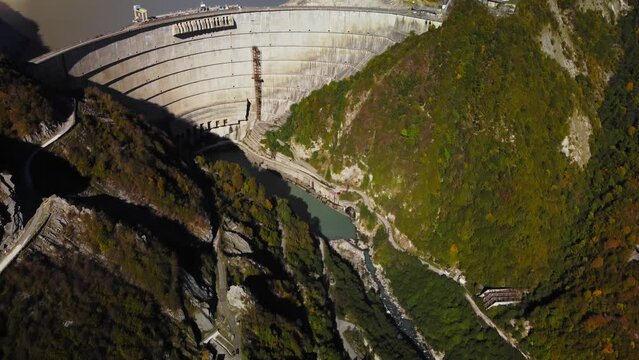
x=202, y=67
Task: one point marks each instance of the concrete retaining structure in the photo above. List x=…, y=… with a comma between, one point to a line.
x=205, y=75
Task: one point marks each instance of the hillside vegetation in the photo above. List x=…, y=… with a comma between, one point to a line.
x=127, y=158
x=457, y=135
x=24, y=110
x=473, y=114
x=595, y=315
x=80, y=298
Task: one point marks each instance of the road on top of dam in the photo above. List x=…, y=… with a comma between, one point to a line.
x=163, y=20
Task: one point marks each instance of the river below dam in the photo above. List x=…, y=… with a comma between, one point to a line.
x=323, y=220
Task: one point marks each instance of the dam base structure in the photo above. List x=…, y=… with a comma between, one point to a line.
x=201, y=67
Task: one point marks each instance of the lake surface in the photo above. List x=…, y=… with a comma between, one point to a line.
x=66, y=22
x=322, y=218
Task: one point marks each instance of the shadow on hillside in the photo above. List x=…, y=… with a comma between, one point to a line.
x=261, y=289
x=189, y=139
x=169, y=232
x=51, y=174
x=19, y=36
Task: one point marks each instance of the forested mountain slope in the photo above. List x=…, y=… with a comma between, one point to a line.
x=473, y=116
x=503, y=147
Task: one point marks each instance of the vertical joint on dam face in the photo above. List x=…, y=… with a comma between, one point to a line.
x=210, y=68
x=257, y=81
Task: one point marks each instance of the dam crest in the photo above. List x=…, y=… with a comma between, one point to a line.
x=226, y=71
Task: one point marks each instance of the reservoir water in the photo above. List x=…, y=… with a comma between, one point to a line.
x=66, y=22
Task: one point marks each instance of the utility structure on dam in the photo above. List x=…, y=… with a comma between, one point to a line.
x=223, y=71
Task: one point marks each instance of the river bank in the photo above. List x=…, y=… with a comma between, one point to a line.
x=306, y=177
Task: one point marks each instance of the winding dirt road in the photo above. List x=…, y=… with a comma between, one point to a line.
x=223, y=305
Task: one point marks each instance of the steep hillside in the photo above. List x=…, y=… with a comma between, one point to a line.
x=473, y=115
x=159, y=256
x=25, y=111
x=127, y=158
x=278, y=278
x=493, y=153
x=595, y=315
x=92, y=286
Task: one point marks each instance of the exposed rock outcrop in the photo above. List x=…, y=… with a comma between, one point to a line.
x=558, y=44
x=576, y=145
x=55, y=240
x=10, y=214
x=235, y=243
x=610, y=9
x=355, y=257
x=239, y=299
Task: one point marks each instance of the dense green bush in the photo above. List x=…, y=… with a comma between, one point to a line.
x=365, y=309
x=592, y=313
x=439, y=309
x=294, y=255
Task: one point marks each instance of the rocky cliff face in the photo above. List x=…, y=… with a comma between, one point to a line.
x=10, y=214
x=61, y=275
x=610, y=9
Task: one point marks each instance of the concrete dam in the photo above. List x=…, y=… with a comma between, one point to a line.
x=226, y=71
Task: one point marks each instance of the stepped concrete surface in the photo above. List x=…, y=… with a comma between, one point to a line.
x=200, y=66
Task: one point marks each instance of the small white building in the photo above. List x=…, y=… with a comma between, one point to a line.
x=139, y=14
x=501, y=7
x=494, y=3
